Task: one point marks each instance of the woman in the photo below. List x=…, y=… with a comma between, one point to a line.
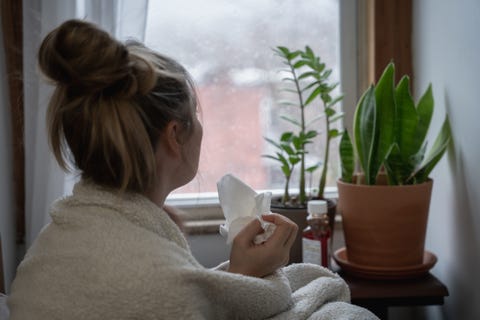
x=125, y=118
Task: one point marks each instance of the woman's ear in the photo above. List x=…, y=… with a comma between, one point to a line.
x=172, y=138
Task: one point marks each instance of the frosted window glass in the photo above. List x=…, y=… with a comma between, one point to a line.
x=227, y=47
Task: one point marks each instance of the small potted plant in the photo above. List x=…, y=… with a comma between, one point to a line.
x=385, y=206
x=308, y=79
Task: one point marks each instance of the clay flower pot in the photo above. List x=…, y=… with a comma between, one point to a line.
x=384, y=225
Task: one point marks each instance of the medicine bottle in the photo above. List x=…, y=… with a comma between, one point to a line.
x=316, y=240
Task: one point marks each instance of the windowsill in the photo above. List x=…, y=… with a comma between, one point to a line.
x=198, y=227
x=202, y=214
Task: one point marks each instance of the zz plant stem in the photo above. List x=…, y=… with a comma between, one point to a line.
x=308, y=77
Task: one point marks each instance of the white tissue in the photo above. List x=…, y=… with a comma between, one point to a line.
x=240, y=205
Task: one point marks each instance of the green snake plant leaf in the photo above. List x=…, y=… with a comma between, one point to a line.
x=407, y=120
x=346, y=157
x=398, y=165
x=438, y=149
x=425, y=112
x=364, y=131
x=398, y=170
x=385, y=122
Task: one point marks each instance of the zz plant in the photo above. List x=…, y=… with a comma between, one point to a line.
x=308, y=80
x=389, y=132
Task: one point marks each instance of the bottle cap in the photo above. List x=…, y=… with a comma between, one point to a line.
x=316, y=207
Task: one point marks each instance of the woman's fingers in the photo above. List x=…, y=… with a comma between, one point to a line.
x=292, y=238
x=261, y=260
x=286, y=230
x=247, y=234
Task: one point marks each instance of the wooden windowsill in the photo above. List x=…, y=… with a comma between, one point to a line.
x=202, y=227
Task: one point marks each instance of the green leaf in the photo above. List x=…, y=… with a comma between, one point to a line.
x=293, y=121
x=438, y=149
x=293, y=55
x=282, y=51
x=425, y=112
x=286, y=136
x=364, y=132
x=287, y=171
x=306, y=75
x=335, y=101
x=294, y=159
x=407, y=120
x=346, y=157
x=329, y=112
x=299, y=64
x=308, y=124
x=313, y=95
x=290, y=90
x=298, y=142
x=289, y=150
x=384, y=121
x=311, y=85
x=282, y=158
x=332, y=87
x=416, y=159
x=325, y=98
x=333, y=133
x=336, y=117
x=288, y=79
x=309, y=52
x=287, y=103
x=271, y=157
x=311, y=134
x=327, y=73
x=273, y=142
x=398, y=170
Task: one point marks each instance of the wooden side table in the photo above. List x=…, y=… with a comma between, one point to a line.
x=378, y=295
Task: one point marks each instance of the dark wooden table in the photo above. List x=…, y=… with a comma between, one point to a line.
x=378, y=295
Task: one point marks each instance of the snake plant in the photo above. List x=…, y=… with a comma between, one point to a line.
x=389, y=132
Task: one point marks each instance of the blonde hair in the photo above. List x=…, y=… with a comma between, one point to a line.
x=110, y=104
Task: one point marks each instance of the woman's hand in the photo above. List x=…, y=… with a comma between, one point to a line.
x=259, y=260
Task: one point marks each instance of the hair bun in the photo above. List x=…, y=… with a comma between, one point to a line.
x=87, y=60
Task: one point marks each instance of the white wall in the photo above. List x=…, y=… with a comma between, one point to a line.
x=446, y=52
x=7, y=224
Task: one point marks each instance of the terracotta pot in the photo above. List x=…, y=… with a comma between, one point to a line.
x=384, y=226
x=299, y=216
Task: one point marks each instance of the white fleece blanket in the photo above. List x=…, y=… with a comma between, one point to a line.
x=104, y=256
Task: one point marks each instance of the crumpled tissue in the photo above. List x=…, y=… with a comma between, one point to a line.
x=240, y=205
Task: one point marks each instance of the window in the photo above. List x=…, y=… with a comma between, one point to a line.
x=227, y=47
